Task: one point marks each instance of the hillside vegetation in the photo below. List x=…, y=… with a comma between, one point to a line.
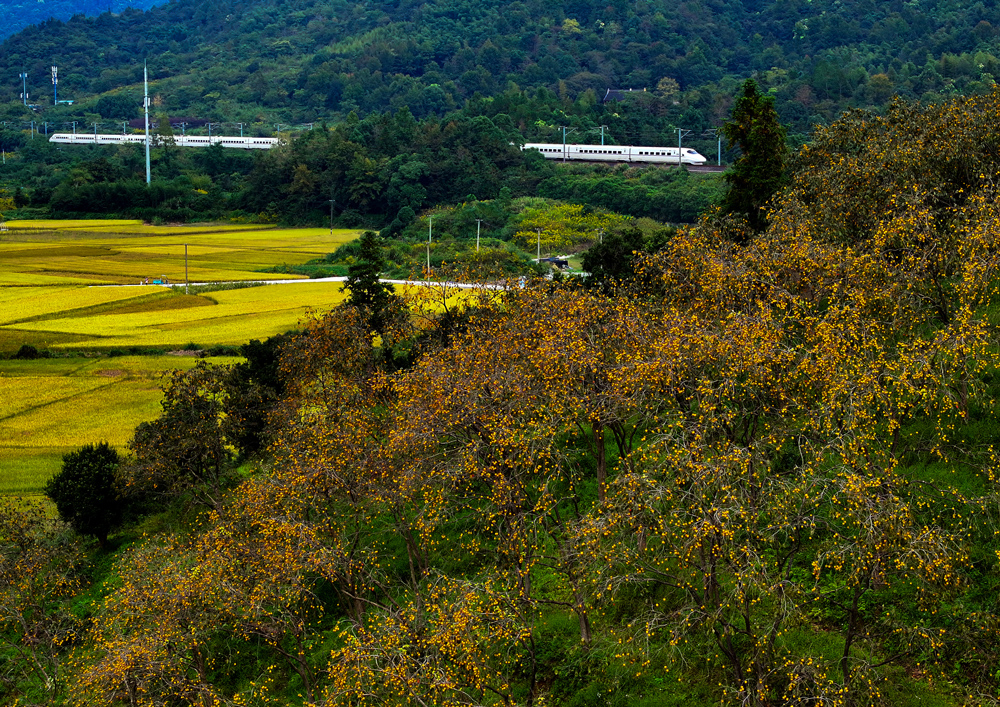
x=295, y=61
x=15, y=15
x=759, y=474
x=407, y=106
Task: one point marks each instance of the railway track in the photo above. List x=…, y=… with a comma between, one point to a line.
x=699, y=169
x=706, y=168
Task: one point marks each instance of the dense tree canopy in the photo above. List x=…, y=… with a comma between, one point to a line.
x=15, y=15
x=296, y=61
x=367, y=292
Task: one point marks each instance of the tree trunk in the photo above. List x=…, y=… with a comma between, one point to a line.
x=602, y=460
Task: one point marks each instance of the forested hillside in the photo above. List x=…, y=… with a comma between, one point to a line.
x=305, y=60
x=15, y=15
x=389, y=89
x=754, y=468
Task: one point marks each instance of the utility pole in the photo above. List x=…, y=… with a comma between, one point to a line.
x=479, y=225
x=55, y=85
x=332, y=202
x=74, y=127
x=538, y=244
x=24, y=88
x=145, y=103
x=430, y=229
x=564, y=129
x=241, y=129
x=602, y=133
x=680, y=135
x=717, y=134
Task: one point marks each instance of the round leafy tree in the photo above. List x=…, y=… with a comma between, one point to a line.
x=85, y=492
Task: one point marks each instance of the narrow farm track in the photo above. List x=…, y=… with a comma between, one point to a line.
x=414, y=283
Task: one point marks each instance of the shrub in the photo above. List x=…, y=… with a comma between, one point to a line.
x=85, y=491
x=28, y=352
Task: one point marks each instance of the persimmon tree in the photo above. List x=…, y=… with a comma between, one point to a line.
x=40, y=571
x=328, y=450
x=154, y=635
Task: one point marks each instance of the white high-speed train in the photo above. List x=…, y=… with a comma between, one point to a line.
x=617, y=153
x=243, y=143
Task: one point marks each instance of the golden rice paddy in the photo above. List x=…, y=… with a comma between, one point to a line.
x=50, y=407
x=227, y=317
x=50, y=298
x=122, y=252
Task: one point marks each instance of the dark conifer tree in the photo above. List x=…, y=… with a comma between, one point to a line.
x=363, y=282
x=759, y=173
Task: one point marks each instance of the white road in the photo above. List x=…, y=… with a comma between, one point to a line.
x=425, y=283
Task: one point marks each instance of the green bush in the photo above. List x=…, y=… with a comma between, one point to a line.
x=86, y=493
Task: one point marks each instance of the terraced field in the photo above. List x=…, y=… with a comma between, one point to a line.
x=127, y=252
x=49, y=407
x=103, y=319
x=49, y=269
x=58, y=293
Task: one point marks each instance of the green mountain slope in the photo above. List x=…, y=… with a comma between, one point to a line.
x=15, y=15
x=305, y=60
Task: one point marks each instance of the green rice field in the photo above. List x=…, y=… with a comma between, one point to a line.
x=71, y=288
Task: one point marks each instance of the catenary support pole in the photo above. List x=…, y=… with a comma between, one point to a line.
x=430, y=230
x=145, y=103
